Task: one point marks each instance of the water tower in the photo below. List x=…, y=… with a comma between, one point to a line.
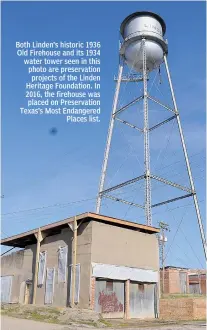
x=143, y=50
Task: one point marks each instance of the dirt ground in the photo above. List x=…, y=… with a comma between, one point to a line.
x=29, y=317
x=10, y=323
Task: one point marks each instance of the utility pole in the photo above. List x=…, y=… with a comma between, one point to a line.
x=163, y=239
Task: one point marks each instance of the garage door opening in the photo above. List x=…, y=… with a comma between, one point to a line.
x=143, y=300
x=109, y=298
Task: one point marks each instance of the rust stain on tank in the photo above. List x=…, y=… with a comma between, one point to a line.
x=109, y=302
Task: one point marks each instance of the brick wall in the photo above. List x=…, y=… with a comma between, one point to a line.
x=198, y=279
x=203, y=284
x=92, y=293
x=183, y=309
x=172, y=280
x=199, y=307
x=166, y=282
x=126, y=300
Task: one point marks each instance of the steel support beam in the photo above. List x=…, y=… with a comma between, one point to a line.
x=172, y=200
x=130, y=78
x=162, y=123
x=128, y=105
x=170, y=183
x=128, y=124
x=160, y=103
x=123, y=184
x=109, y=137
x=133, y=79
x=195, y=199
x=123, y=201
x=148, y=212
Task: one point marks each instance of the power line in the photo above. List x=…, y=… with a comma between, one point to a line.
x=191, y=247
x=174, y=235
x=165, y=147
x=180, y=160
x=48, y=206
x=121, y=193
x=84, y=200
x=8, y=251
x=3, y=232
x=183, y=252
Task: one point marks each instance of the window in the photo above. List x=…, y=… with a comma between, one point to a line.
x=6, y=287
x=109, y=285
x=50, y=285
x=62, y=264
x=42, y=268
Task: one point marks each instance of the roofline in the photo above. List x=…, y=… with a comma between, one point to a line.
x=142, y=13
x=191, y=271
x=80, y=217
x=174, y=267
x=124, y=222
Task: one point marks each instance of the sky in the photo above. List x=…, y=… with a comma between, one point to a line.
x=47, y=178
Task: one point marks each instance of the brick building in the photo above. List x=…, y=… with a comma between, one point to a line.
x=183, y=280
x=116, y=273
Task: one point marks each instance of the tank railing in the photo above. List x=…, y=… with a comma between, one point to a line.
x=142, y=32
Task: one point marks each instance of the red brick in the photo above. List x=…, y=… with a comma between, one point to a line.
x=92, y=293
x=183, y=309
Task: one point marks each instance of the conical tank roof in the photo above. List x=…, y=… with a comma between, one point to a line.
x=139, y=14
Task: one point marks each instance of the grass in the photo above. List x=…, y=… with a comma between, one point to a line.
x=106, y=323
x=91, y=323
x=51, y=315
x=151, y=323
x=46, y=315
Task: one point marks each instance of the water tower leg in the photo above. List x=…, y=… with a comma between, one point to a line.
x=146, y=142
x=187, y=161
x=109, y=137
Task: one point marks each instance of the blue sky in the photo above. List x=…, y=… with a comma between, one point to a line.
x=40, y=170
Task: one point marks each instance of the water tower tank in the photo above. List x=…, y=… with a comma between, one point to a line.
x=133, y=29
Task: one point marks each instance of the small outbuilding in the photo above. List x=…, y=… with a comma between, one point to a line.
x=116, y=268
x=179, y=280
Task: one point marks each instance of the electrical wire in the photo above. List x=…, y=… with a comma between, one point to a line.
x=79, y=201
x=178, y=161
x=191, y=247
x=166, y=146
x=175, y=234
x=183, y=252
x=7, y=251
x=130, y=146
x=140, y=186
x=48, y=206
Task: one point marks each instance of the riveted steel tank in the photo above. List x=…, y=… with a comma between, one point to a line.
x=148, y=26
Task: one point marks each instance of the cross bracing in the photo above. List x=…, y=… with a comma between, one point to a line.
x=105, y=192
x=146, y=129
